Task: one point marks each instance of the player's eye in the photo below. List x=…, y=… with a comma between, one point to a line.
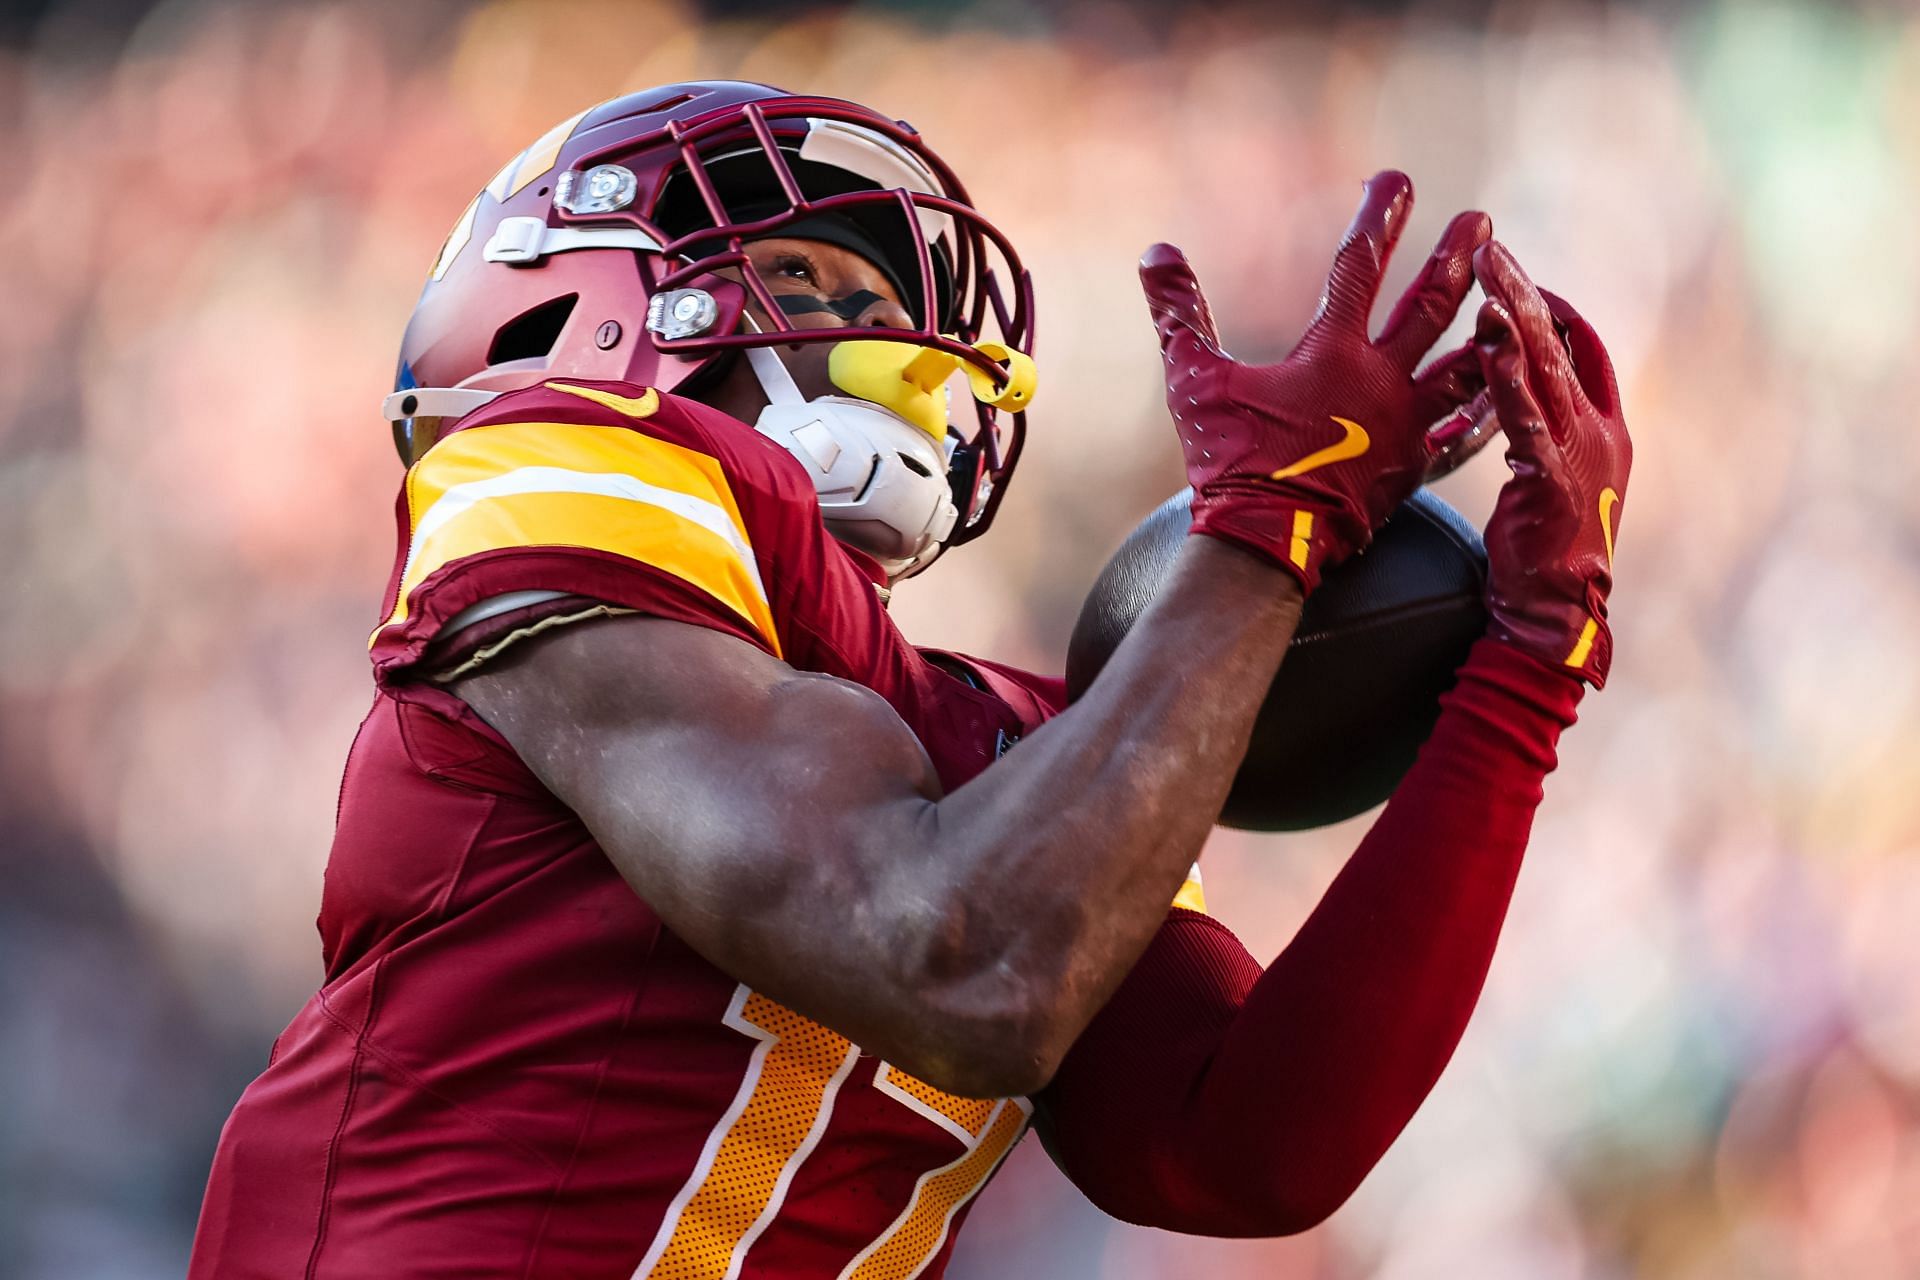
x=795, y=267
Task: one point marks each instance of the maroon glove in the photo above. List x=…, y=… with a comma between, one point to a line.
x=1550, y=542
x=1300, y=461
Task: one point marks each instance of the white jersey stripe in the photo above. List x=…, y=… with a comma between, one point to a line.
x=522, y=480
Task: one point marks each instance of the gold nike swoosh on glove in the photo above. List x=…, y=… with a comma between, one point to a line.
x=1583, y=646
x=1355, y=443
x=1607, y=500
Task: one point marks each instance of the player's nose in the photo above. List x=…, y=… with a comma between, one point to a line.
x=884, y=313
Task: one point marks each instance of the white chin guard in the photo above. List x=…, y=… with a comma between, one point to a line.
x=882, y=481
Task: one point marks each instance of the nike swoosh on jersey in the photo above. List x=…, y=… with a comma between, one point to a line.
x=1607, y=500
x=1352, y=445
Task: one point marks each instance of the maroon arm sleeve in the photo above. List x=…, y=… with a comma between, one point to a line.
x=1212, y=1098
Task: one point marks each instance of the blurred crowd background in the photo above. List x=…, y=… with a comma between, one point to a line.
x=1699, y=1052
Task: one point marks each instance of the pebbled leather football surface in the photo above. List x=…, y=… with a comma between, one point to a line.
x=1359, y=691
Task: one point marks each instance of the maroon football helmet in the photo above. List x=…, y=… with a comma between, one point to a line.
x=598, y=252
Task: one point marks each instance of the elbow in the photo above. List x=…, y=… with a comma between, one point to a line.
x=1285, y=1202
x=994, y=1029
x=1033, y=1053
x=1008, y=1074
x=1199, y=1178
x=1281, y=1190
x=994, y=996
x=1030, y=1043
x=978, y=1066
x=1161, y=1186
x=1289, y=1215
x=1010, y=1051
x=1243, y=1208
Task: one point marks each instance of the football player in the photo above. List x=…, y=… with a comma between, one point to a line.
x=683, y=920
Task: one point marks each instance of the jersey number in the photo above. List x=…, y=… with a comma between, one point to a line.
x=775, y=1121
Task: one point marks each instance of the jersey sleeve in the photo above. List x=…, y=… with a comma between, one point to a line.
x=1034, y=698
x=1213, y=1097
x=514, y=526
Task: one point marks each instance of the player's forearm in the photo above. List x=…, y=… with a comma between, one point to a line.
x=1097, y=817
x=1388, y=969
x=1339, y=1041
x=791, y=829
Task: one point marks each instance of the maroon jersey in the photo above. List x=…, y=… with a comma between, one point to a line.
x=513, y=1067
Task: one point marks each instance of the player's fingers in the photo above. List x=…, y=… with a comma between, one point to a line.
x=1591, y=364
x=1447, y=384
x=1430, y=302
x=1451, y=394
x=1549, y=369
x=1456, y=439
x=1503, y=363
x=1361, y=260
x=1180, y=312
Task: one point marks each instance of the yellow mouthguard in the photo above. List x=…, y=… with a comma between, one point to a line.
x=912, y=381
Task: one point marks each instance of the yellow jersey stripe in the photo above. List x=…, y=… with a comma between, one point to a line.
x=480, y=452
x=600, y=488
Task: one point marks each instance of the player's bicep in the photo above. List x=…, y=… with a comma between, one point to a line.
x=732, y=792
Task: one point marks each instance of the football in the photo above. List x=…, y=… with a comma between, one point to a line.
x=1360, y=688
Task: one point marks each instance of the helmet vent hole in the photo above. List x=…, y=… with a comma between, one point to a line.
x=915, y=465
x=664, y=104
x=532, y=334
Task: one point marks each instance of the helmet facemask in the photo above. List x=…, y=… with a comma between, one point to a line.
x=688, y=187
x=791, y=169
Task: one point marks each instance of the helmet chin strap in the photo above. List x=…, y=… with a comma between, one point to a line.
x=776, y=380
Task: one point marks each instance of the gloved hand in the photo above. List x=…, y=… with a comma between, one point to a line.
x=1550, y=542
x=1301, y=461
